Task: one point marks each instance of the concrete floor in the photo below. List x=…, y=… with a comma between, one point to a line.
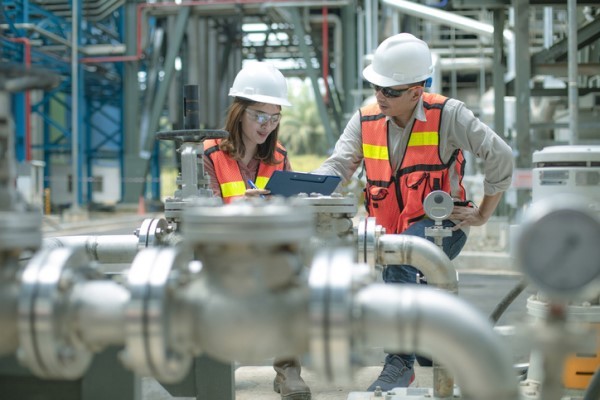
x=256, y=382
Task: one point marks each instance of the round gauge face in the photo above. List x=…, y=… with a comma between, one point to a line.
x=438, y=205
x=560, y=252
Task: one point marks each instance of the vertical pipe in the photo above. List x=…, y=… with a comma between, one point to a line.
x=74, y=105
x=548, y=27
x=498, y=73
x=522, y=91
x=368, y=27
x=325, y=55
x=573, y=87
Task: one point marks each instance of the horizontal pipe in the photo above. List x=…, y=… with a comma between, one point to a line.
x=407, y=319
x=446, y=18
x=99, y=312
x=421, y=254
x=107, y=249
x=466, y=64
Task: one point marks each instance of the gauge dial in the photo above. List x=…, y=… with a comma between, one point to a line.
x=559, y=247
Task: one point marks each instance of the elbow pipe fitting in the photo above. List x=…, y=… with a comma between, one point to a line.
x=423, y=255
x=429, y=321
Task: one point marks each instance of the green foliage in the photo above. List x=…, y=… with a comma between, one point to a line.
x=301, y=130
x=306, y=162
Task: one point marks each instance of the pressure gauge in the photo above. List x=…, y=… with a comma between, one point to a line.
x=438, y=205
x=559, y=247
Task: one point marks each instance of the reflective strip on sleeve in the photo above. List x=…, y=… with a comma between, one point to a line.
x=423, y=139
x=229, y=189
x=375, y=152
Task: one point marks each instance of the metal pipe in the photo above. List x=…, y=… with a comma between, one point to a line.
x=258, y=292
x=465, y=64
x=334, y=20
x=573, y=86
x=99, y=309
x=447, y=18
x=75, y=170
x=420, y=253
x=424, y=320
x=107, y=249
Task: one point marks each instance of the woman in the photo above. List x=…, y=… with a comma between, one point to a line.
x=247, y=158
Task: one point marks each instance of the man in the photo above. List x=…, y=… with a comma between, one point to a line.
x=411, y=143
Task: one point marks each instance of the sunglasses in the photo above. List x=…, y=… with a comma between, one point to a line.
x=263, y=118
x=389, y=92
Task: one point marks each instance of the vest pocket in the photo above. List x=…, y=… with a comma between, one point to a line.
x=417, y=186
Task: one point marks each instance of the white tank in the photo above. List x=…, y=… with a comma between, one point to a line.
x=567, y=169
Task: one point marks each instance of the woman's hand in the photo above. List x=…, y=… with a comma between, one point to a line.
x=257, y=192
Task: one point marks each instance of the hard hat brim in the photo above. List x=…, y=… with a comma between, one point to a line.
x=263, y=99
x=376, y=79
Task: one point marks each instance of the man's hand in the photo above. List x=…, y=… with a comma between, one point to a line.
x=466, y=216
x=475, y=216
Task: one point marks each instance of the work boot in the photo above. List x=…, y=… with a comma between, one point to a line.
x=288, y=381
x=396, y=374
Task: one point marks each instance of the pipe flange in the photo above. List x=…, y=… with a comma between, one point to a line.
x=151, y=232
x=20, y=230
x=174, y=206
x=254, y=221
x=48, y=345
x=334, y=204
x=368, y=235
x=148, y=350
x=331, y=282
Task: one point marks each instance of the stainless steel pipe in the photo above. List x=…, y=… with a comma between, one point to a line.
x=420, y=253
x=107, y=249
x=425, y=320
x=99, y=310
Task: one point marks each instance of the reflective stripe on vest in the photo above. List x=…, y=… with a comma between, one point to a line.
x=228, y=172
x=396, y=201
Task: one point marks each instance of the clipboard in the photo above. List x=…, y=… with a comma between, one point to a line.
x=290, y=183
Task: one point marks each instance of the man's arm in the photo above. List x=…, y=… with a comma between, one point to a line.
x=347, y=155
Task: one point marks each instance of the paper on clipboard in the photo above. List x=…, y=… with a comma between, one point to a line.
x=290, y=183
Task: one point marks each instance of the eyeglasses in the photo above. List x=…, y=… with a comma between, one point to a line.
x=389, y=92
x=262, y=118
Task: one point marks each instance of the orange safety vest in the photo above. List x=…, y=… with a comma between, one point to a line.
x=396, y=200
x=228, y=172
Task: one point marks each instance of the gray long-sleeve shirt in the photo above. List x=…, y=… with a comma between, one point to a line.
x=459, y=129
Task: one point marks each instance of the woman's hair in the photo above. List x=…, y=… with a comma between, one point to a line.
x=234, y=145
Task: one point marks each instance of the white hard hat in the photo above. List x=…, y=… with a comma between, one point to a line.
x=399, y=60
x=261, y=82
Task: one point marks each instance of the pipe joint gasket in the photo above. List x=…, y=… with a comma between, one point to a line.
x=148, y=350
x=48, y=345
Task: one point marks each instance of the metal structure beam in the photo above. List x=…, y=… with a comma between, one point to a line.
x=522, y=92
x=312, y=74
x=586, y=35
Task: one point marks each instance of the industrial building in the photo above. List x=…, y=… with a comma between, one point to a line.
x=99, y=98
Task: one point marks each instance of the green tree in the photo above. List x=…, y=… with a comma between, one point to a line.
x=301, y=130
